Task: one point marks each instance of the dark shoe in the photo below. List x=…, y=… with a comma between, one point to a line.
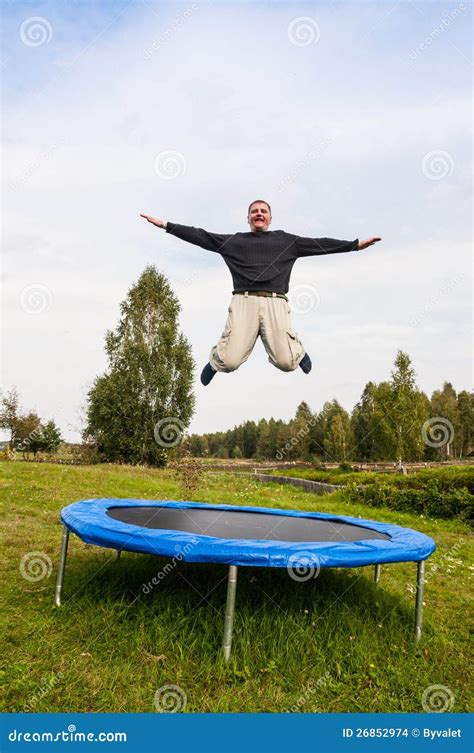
x=305, y=364
x=207, y=374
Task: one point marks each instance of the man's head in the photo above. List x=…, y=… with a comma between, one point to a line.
x=259, y=215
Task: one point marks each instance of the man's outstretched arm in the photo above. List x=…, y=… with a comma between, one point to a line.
x=196, y=235
x=369, y=242
x=318, y=246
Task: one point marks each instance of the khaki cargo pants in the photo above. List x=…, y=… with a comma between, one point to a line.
x=251, y=316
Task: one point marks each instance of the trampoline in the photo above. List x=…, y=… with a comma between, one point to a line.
x=303, y=542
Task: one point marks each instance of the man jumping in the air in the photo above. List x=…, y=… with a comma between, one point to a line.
x=260, y=263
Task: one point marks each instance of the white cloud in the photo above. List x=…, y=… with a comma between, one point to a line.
x=245, y=108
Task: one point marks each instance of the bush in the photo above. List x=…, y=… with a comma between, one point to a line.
x=88, y=454
x=452, y=477
x=431, y=500
x=188, y=470
x=443, y=492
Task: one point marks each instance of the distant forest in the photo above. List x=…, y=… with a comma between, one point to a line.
x=393, y=421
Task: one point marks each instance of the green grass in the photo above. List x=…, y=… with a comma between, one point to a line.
x=336, y=642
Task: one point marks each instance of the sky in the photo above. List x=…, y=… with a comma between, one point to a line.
x=351, y=118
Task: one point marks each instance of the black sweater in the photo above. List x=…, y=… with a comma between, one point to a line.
x=262, y=260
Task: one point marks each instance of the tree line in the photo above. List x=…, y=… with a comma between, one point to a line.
x=28, y=432
x=393, y=421
x=139, y=409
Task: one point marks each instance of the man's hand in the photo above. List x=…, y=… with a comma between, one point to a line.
x=154, y=221
x=368, y=242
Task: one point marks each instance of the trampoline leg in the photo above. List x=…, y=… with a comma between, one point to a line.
x=377, y=571
x=229, y=612
x=118, y=553
x=62, y=567
x=420, y=585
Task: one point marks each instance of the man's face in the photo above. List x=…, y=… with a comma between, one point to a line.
x=259, y=217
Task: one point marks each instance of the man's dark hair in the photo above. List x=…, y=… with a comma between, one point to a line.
x=256, y=202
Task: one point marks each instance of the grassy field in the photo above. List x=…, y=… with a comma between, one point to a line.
x=334, y=643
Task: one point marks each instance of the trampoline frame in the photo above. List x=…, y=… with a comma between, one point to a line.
x=232, y=591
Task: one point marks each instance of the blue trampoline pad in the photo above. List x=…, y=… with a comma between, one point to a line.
x=237, y=535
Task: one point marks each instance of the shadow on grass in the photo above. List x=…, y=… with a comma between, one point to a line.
x=185, y=604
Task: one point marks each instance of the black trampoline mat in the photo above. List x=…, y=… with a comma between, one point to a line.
x=237, y=524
